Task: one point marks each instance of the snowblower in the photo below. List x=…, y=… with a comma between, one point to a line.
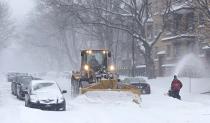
x=97, y=74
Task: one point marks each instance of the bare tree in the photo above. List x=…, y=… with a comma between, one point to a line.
x=105, y=18
x=131, y=16
x=202, y=11
x=52, y=27
x=202, y=5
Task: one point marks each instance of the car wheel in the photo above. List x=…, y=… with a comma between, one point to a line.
x=17, y=96
x=27, y=104
x=64, y=107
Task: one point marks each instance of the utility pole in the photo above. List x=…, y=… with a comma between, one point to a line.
x=133, y=52
x=190, y=81
x=133, y=57
x=190, y=84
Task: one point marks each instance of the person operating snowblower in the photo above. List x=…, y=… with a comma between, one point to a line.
x=176, y=85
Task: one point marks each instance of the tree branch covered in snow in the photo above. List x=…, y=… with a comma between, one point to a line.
x=104, y=19
x=133, y=17
x=52, y=28
x=203, y=5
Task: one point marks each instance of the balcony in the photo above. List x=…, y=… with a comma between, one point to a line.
x=180, y=37
x=183, y=7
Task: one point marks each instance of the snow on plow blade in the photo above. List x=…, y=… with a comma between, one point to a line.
x=113, y=86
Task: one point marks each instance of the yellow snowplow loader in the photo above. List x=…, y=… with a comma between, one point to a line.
x=96, y=74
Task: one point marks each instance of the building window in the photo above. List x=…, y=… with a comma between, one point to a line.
x=177, y=1
x=156, y=51
x=156, y=31
x=180, y=1
x=190, y=22
x=149, y=32
x=201, y=19
x=177, y=22
x=168, y=26
x=168, y=49
x=177, y=50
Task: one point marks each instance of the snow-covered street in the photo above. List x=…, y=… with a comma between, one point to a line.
x=105, y=61
x=155, y=107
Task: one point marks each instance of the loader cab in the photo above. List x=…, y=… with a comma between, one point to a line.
x=95, y=59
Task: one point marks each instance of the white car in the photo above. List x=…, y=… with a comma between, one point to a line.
x=44, y=94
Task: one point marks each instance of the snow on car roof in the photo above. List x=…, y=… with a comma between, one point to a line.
x=134, y=79
x=42, y=81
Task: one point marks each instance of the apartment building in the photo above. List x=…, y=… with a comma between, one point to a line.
x=186, y=33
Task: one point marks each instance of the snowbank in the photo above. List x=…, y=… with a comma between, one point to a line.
x=105, y=107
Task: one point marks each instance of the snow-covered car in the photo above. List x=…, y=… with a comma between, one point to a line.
x=139, y=83
x=22, y=85
x=14, y=87
x=44, y=94
x=19, y=83
x=11, y=76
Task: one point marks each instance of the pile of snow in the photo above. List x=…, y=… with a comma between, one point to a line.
x=106, y=97
x=163, y=52
x=109, y=107
x=206, y=47
x=178, y=36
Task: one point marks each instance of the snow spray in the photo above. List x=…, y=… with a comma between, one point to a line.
x=191, y=66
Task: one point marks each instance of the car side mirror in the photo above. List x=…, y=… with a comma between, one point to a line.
x=64, y=91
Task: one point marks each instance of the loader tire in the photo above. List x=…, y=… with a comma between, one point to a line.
x=74, y=87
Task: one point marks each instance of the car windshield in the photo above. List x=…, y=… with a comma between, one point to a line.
x=26, y=81
x=43, y=86
x=97, y=57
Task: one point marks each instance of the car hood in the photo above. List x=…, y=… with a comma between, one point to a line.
x=47, y=97
x=24, y=88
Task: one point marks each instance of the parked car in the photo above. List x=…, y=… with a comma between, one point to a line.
x=14, y=87
x=16, y=84
x=22, y=83
x=11, y=76
x=139, y=83
x=36, y=78
x=44, y=94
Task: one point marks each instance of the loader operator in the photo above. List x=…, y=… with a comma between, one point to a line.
x=94, y=63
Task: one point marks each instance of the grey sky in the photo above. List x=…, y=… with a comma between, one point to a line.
x=20, y=8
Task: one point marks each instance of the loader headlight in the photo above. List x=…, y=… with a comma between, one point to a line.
x=89, y=51
x=86, y=67
x=104, y=51
x=111, y=68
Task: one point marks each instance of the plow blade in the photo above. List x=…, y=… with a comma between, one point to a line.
x=113, y=86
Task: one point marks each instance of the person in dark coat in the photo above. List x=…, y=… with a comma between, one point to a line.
x=94, y=63
x=176, y=85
